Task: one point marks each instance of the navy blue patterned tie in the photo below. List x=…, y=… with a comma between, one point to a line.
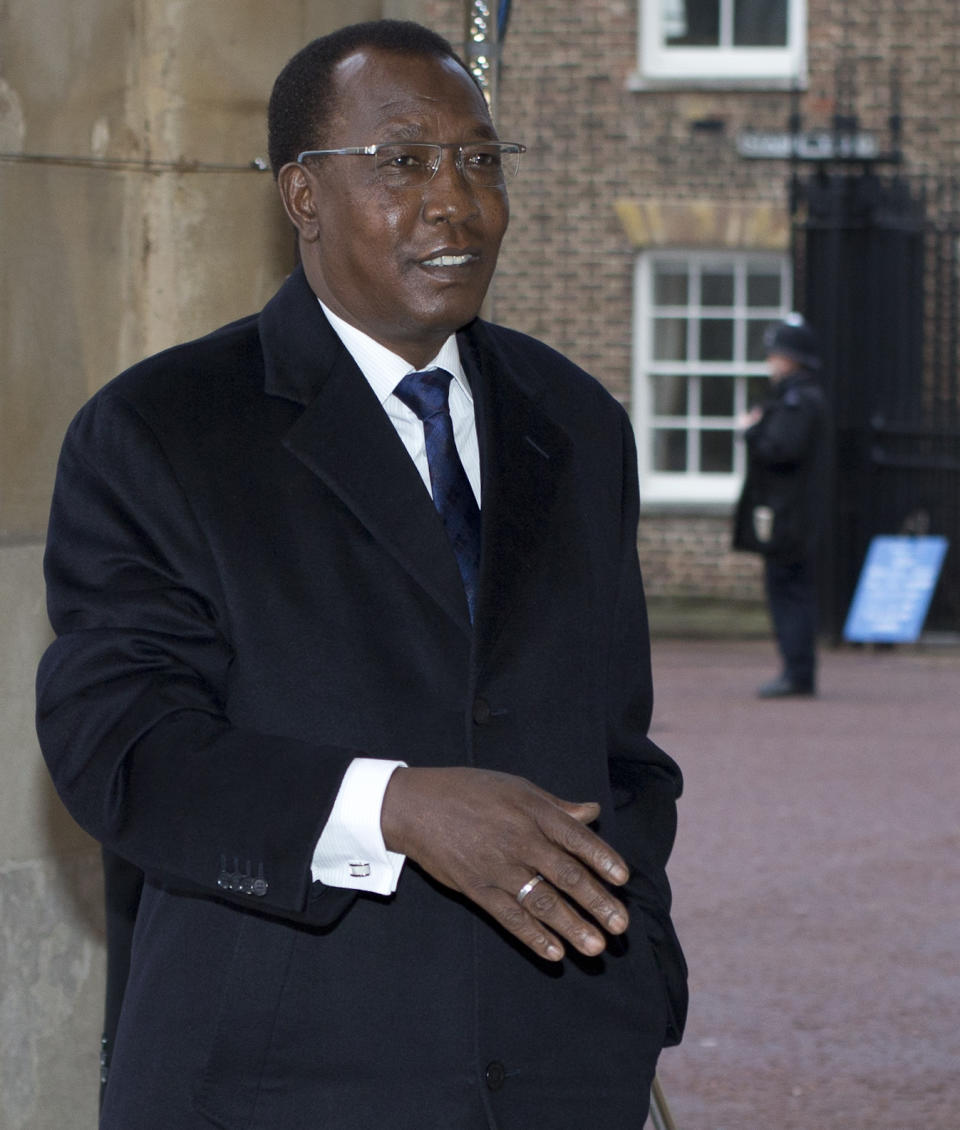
x=427, y=394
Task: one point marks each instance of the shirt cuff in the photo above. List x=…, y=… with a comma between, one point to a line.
x=351, y=852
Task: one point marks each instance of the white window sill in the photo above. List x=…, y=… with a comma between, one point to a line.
x=691, y=508
x=690, y=490
x=640, y=83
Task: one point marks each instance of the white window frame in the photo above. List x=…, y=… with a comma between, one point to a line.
x=693, y=486
x=721, y=64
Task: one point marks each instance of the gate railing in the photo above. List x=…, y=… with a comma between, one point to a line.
x=877, y=262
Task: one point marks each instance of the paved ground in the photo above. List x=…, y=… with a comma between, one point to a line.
x=816, y=889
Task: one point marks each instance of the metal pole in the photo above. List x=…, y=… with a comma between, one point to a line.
x=481, y=52
x=659, y=1111
x=482, y=49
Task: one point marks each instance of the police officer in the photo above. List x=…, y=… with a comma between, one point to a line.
x=780, y=512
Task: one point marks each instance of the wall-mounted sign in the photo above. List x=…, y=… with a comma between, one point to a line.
x=812, y=145
x=895, y=588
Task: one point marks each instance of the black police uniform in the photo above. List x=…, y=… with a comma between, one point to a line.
x=780, y=512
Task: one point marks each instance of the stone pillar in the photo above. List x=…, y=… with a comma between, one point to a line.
x=119, y=237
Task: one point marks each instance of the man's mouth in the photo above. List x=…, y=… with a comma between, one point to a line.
x=449, y=260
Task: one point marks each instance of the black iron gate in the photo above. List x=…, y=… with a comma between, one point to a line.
x=877, y=273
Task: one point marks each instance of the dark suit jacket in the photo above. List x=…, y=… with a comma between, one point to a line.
x=250, y=585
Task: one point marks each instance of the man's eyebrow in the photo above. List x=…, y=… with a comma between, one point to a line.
x=414, y=131
x=406, y=131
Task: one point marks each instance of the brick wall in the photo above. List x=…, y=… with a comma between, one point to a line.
x=566, y=270
x=922, y=39
x=688, y=555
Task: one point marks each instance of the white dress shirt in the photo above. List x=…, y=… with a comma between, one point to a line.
x=351, y=851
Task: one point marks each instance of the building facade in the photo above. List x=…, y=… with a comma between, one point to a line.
x=651, y=238
x=651, y=241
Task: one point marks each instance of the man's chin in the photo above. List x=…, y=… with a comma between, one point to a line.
x=446, y=318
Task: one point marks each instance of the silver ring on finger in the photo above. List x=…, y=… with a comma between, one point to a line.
x=528, y=887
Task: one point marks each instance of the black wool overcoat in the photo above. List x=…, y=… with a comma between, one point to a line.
x=249, y=586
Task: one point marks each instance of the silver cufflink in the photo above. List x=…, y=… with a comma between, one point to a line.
x=359, y=870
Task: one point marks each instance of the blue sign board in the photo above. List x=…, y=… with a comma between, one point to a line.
x=895, y=588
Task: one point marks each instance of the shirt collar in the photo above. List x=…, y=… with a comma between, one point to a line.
x=384, y=369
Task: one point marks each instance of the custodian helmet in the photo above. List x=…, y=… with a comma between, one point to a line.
x=793, y=338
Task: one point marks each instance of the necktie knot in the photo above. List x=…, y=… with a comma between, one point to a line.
x=425, y=393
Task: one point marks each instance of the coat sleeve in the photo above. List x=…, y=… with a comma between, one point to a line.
x=646, y=782
x=131, y=695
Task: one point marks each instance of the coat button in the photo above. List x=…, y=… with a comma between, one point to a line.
x=495, y=1075
x=481, y=711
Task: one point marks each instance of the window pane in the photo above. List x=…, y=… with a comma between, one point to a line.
x=669, y=449
x=763, y=286
x=670, y=339
x=716, y=396
x=756, y=350
x=716, y=452
x=716, y=339
x=758, y=389
x=691, y=23
x=670, y=284
x=669, y=395
x=716, y=287
x=702, y=317
x=760, y=23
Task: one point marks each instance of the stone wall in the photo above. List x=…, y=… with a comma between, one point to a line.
x=51, y=960
x=130, y=219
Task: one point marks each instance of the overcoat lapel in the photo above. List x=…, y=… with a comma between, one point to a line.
x=345, y=438
x=523, y=453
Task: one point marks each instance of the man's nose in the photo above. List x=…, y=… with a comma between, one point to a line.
x=450, y=193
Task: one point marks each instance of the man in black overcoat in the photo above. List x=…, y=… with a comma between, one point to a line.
x=357, y=673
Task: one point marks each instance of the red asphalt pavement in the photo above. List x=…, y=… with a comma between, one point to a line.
x=816, y=883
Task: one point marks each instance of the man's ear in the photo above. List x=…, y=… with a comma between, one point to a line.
x=297, y=190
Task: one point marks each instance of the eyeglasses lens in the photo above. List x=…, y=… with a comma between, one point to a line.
x=407, y=166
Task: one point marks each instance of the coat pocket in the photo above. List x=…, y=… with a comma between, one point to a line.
x=671, y=969
x=250, y=1002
